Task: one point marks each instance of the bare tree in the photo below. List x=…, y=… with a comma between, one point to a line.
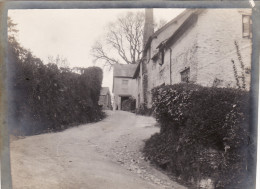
x=60, y=61
x=160, y=24
x=123, y=41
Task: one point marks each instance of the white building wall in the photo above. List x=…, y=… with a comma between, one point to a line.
x=166, y=33
x=123, y=90
x=207, y=48
x=126, y=90
x=219, y=29
x=184, y=55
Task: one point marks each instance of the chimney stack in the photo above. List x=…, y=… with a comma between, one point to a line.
x=148, y=25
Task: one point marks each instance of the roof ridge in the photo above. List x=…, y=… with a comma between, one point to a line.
x=171, y=22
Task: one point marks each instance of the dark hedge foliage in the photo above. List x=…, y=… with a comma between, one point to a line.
x=129, y=104
x=143, y=110
x=48, y=98
x=204, y=134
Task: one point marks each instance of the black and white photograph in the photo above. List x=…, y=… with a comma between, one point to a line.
x=129, y=98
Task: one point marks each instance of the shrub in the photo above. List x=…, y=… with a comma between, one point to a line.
x=129, y=104
x=47, y=98
x=204, y=133
x=143, y=110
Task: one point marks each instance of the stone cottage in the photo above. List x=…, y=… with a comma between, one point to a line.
x=203, y=46
x=105, y=99
x=124, y=86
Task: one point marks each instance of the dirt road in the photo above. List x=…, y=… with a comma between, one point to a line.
x=103, y=155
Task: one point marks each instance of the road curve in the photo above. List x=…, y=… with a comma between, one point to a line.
x=102, y=155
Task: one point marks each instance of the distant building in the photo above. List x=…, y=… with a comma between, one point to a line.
x=105, y=99
x=124, y=86
x=201, y=46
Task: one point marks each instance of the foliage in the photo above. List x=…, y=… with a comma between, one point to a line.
x=240, y=78
x=47, y=98
x=204, y=133
x=12, y=31
x=143, y=110
x=129, y=104
x=60, y=61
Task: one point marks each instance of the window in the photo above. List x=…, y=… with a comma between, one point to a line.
x=247, y=26
x=124, y=82
x=185, y=75
x=161, y=58
x=155, y=57
x=149, y=53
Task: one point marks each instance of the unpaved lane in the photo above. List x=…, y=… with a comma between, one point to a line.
x=103, y=155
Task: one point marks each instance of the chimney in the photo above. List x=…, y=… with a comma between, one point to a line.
x=148, y=25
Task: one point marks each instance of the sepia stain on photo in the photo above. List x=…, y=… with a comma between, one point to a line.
x=147, y=98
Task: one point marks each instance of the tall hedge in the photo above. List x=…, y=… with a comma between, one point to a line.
x=204, y=134
x=47, y=98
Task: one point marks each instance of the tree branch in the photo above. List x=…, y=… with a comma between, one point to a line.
x=124, y=37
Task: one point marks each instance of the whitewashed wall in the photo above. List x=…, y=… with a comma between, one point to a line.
x=218, y=29
x=207, y=48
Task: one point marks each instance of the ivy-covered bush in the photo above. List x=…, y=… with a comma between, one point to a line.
x=204, y=134
x=47, y=98
x=129, y=104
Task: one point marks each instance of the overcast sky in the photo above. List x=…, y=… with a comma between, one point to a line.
x=70, y=33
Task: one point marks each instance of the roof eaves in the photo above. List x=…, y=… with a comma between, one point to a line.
x=137, y=70
x=184, y=26
x=174, y=20
x=188, y=22
x=123, y=76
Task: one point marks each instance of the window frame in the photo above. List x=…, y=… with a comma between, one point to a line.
x=161, y=57
x=125, y=82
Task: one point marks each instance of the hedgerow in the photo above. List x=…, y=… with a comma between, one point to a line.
x=47, y=98
x=204, y=134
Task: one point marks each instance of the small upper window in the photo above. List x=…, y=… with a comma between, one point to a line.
x=247, y=26
x=161, y=58
x=125, y=82
x=155, y=56
x=185, y=75
x=149, y=53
